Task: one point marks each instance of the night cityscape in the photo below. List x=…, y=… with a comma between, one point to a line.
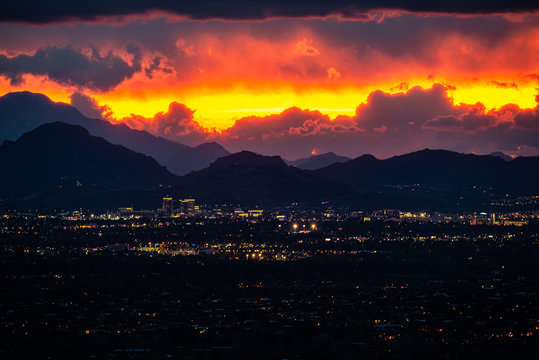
x=272, y=180
x=203, y=282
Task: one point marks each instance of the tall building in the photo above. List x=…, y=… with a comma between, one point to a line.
x=187, y=207
x=167, y=206
x=255, y=213
x=125, y=211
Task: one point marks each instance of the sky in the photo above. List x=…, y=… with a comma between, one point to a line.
x=291, y=78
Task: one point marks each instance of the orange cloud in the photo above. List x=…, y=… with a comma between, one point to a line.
x=385, y=124
x=226, y=71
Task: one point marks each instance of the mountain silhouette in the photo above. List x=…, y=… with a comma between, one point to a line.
x=56, y=151
x=252, y=179
x=440, y=169
x=21, y=112
x=502, y=155
x=318, y=161
x=196, y=158
x=58, y=165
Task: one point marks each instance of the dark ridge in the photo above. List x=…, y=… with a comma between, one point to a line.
x=21, y=112
x=45, y=156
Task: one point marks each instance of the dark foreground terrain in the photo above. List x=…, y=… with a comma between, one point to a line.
x=236, y=290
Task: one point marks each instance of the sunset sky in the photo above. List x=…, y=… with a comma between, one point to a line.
x=291, y=78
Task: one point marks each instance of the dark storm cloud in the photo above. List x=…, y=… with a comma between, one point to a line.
x=156, y=66
x=354, y=48
x=88, y=106
x=396, y=111
x=528, y=119
x=469, y=121
x=291, y=122
x=60, y=10
x=70, y=67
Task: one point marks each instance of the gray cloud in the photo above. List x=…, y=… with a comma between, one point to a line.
x=88, y=106
x=34, y=11
x=70, y=67
x=528, y=119
x=156, y=66
x=411, y=38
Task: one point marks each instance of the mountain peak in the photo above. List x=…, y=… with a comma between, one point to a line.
x=55, y=130
x=24, y=96
x=248, y=158
x=213, y=146
x=431, y=154
x=367, y=157
x=315, y=162
x=437, y=169
x=501, y=155
x=249, y=178
x=329, y=153
x=21, y=112
x=45, y=155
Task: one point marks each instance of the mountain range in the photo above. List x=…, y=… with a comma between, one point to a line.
x=438, y=169
x=60, y=165
x=502, y=156
x=252, y=179
x=21, y=112
x=54, y=152
x=315, y=162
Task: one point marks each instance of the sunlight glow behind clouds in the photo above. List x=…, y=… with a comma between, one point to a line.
x=228, y=70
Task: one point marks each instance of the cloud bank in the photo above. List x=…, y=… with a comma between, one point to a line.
x=67, y=66
x=174, y=124
x=34, y=11
x=385, y=125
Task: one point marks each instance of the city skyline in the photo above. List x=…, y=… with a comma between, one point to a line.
x=288, y=179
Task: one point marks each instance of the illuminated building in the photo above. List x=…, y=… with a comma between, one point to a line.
x=255, y=213
x=129, y=212
x=187, y=207
x=239, y=213
x=125, y=211
x=167, y=206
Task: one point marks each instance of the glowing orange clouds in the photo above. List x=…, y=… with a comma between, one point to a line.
x=54, y=91
x=225, y=71
x=235, y=75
